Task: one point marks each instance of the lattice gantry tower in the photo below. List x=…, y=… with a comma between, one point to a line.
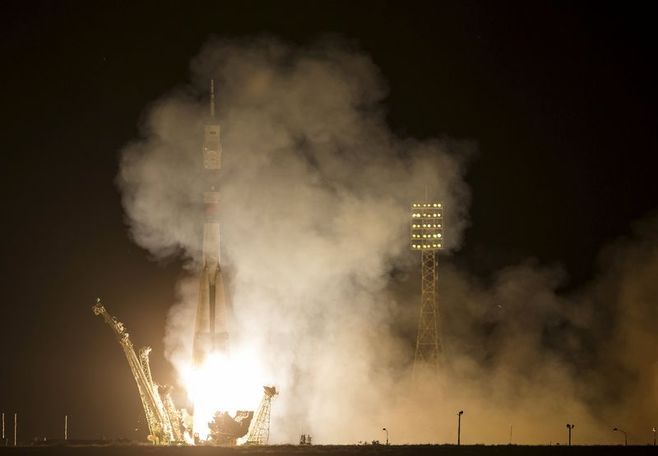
x=427, y=237
x=259, y=433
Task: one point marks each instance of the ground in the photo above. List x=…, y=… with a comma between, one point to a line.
x=321, y=450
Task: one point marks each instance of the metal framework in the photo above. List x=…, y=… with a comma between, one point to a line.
x=175, y=416
x=427, y=237
x=259, y=433
x=163, y=427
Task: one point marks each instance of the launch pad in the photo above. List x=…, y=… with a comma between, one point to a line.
x=169, y=425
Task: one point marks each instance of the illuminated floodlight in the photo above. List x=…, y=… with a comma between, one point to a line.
x=425, y=231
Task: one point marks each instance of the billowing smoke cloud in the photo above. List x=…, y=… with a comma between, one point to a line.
x=315, y=208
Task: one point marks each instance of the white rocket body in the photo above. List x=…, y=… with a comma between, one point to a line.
x=210, y=333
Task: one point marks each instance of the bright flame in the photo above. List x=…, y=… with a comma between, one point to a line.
x=223, y=382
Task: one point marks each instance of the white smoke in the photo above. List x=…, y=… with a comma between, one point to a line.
x=316, y=195
x=315, y=203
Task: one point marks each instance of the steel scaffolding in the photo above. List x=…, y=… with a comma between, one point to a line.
x=427, y=237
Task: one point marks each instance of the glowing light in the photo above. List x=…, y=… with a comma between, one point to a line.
x=224, y=383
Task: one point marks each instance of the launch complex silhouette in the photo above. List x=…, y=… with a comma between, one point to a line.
x=210, y=339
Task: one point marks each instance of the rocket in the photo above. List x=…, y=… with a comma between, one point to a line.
x=210, y=332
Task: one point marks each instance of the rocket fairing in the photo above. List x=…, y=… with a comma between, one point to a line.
x=212, y=148
x=210, y=332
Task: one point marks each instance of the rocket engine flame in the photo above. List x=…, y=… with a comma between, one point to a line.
x=222, y=383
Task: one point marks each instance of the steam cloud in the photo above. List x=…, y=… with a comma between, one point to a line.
x=315, y=205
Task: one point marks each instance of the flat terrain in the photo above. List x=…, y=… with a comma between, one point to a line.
x=325, y=450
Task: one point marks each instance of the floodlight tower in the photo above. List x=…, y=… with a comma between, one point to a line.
x=427, y=237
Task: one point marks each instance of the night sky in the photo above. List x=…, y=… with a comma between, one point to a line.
x=559, y=100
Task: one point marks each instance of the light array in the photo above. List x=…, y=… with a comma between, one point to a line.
x=426, y=226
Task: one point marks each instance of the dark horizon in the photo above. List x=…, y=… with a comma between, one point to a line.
x=559, y=101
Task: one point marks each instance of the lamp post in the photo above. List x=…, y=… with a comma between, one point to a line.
x=386, y=430
x=625, y=435
x=570, y=427
x=459, y=427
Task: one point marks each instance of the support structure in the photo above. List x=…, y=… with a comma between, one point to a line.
x=259, y=433
x=163, y=428
x=427, y=237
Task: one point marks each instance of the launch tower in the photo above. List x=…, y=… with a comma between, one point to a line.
x=259, y=433
x=427, y=237
x=210, y=332
x=163, y=419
